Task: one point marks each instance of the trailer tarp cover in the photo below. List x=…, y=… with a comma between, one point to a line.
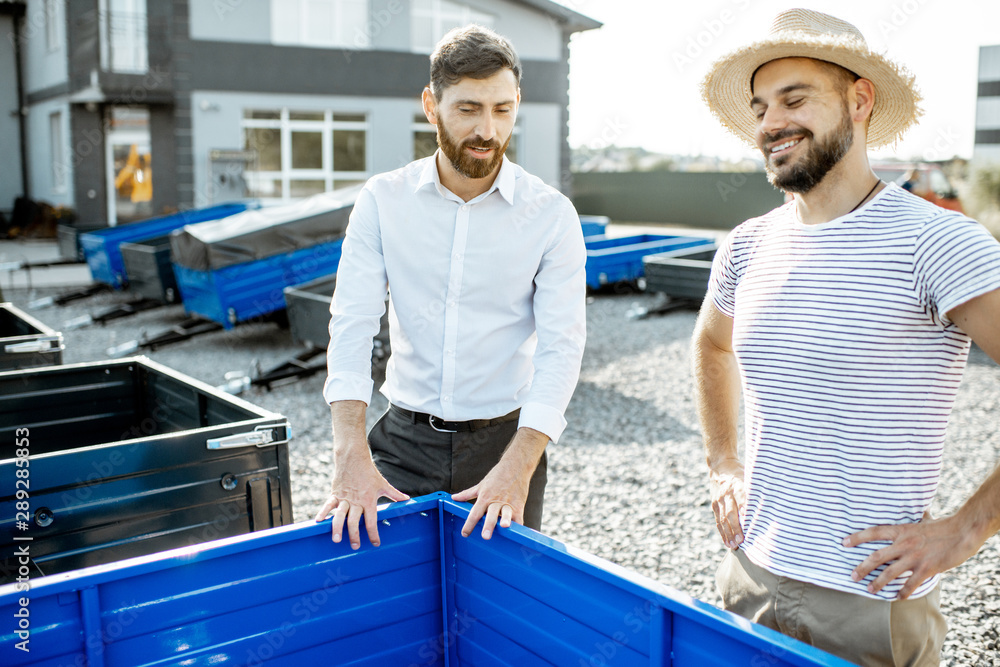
x=264, y=232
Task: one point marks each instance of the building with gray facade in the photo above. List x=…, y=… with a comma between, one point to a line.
x=132, y=108
x=987, y=147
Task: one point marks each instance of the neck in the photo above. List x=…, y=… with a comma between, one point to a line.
x=840, y=191
x=463, y=186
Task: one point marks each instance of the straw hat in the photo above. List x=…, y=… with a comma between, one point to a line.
x=803, y=33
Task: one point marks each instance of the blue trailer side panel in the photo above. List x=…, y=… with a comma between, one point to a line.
x=594, y=225
x=290, y=596
x=244, y=291
x=101, y=248
x=610, y=260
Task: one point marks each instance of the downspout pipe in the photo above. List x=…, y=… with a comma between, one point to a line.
x=18, y=14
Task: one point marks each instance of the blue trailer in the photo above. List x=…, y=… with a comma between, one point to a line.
x=611, y=260
x=242, y=292
x=427, y=596
x=102, y=251
x=594, y=226
x=236, y=269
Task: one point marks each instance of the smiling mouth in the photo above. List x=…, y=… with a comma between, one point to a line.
x=784, y=146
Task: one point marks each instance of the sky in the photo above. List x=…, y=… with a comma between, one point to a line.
x=635, y=81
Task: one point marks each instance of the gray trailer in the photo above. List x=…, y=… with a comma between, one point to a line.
x=25, y=342
x=107, y=460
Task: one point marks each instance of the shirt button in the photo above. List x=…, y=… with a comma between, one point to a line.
x=465, y=207
x=458, y=255
x=451, y=304
x=446, y=399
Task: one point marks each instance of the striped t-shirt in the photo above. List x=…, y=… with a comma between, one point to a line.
x=849, y=367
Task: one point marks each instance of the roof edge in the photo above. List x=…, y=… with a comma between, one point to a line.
x=572, y=21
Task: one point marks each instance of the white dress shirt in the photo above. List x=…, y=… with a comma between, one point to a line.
x=487, y=298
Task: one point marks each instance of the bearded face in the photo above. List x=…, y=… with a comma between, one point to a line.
x=462, y=155
x=822, y=154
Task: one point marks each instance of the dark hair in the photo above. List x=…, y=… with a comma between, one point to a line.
x=473, y=51
x=842, y=77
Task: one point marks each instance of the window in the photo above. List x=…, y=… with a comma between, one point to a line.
x=129, y=164
x=123, y=36
x=302, y=153
x=57, y=155
x=52, y=17
x=431, y=19
x=425, y=138
x=334, y=23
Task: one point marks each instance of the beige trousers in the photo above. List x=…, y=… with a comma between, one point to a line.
x=860, y=629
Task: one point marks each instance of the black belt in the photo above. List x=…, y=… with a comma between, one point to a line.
x=439, y=424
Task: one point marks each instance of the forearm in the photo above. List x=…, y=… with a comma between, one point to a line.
x=717, y=397
x=349, y=439
x=981, y=512
x=524, y=451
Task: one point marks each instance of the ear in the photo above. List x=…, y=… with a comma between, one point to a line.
x=864, y=100
x=430, y=105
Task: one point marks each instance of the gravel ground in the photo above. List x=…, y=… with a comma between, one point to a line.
x=627, y=482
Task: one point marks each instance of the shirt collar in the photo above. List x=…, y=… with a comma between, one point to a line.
x=504, y=182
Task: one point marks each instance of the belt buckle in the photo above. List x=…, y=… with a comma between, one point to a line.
x=430, y=422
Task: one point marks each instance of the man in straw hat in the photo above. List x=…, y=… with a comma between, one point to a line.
x=845, y=316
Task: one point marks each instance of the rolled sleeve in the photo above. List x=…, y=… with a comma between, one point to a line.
x=543, y=418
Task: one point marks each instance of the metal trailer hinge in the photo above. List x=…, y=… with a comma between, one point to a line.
x=262, y=436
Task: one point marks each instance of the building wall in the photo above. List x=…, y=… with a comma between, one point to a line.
x=216, y=120
x=44, y=68
x=535, y=35
x=11, y=185
x=246, y=21
x=40, y=166
x=987, y=148
x=713, y=200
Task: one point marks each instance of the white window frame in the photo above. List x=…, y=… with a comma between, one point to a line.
x=52, y=17
x=443, y=13
x=57, y=153
x=125, y=49
x=340, y=35
x=327, y=126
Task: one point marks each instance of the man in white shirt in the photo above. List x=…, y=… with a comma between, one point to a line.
x=485, y=268
x=844, y=318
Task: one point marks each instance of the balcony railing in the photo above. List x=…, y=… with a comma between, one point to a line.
x=124, y=42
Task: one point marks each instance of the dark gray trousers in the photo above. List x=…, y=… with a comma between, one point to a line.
x=418, y=460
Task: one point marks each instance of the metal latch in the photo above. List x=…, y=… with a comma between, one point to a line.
x=262, y=436
x=41, y=344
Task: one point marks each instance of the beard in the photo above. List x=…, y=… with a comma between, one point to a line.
x=465, y=165
x=822, y=156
